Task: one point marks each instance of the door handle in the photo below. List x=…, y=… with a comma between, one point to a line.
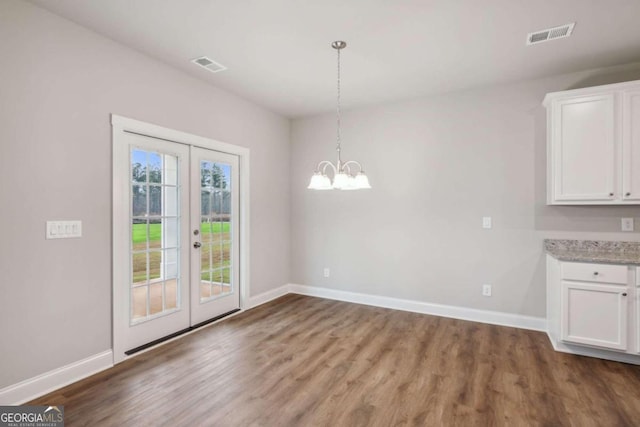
x=197, y=245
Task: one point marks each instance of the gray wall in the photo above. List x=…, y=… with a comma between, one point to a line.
x=58, y=85
x=437, y=166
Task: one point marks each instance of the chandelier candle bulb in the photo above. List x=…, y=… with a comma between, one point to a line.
x=347, y=175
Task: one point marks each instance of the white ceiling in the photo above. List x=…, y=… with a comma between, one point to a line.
x=278, y=52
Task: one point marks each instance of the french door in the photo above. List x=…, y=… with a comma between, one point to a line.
x=214, y=280
x=176, y=239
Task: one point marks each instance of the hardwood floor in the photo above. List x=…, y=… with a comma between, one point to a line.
x=303, y=361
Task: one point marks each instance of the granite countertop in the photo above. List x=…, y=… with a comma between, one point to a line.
x=598, y=251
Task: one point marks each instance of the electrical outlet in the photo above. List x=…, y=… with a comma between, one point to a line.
x=326, y=272
x=486, y=290
x=486, y=222
x=627, y=224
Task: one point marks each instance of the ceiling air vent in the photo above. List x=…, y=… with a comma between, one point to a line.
x=550, y=34
x=209, y=64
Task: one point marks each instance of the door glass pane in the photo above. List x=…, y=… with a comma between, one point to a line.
x=139, y=265
x=139, y=200
x=170, y=236
x=155, y=200
x=156, y=297
x=155, y=259
x=139, y=299
x=155, y=234
x=170, y=263
x=225, y=280
x=170, y=193
x=215, y=204
x=205, y=258
x=154, y=167
x=138, y=166
x=139, y=231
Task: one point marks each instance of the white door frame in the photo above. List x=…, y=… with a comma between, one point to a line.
x=120, y=203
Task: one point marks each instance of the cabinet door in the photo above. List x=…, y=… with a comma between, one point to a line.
x=631, y=145
x=594, y=314
x=637, y=317
x=584, y=157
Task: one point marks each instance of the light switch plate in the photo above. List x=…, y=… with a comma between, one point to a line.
x=627, y=224
x=486, y=222
x=63, y=229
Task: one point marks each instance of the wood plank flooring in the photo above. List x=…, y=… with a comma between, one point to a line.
x=303, y=361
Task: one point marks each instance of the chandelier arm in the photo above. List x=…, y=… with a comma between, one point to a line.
x=346, y=168
x=322, y=167
x=346, y=164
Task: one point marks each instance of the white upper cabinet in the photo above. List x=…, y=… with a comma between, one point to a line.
x=593, y=145
x=584, y=148
x=631, y=145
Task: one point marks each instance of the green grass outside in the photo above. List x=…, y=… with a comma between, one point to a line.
x=215, y=275
x=139, y=231
x=210, y=232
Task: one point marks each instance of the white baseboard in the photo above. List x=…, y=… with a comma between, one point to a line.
x=32, y=388
x=265, y=297
x=463, y=313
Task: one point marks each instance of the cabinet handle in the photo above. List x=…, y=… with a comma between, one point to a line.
x=595, y=273
x=611, y=194
x=627, y=194
x=624, y=294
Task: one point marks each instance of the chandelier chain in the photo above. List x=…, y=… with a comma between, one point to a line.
x=338, y=104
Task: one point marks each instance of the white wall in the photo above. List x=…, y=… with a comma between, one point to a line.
x=59, y=83
x=437, y=166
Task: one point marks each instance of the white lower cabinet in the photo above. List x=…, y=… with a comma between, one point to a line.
x=594, y=314
x=594, y=309
x=636, y=313
x=637, y=322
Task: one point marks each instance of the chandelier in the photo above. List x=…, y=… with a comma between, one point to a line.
x=347, y=175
